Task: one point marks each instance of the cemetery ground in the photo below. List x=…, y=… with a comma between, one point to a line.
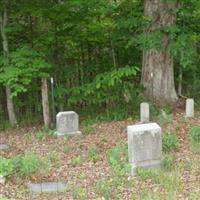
x=95, y=165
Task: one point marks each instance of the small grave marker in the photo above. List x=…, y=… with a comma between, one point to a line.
x=144, y=112
x=189, y=108
x=67, y=123
x=144, y=146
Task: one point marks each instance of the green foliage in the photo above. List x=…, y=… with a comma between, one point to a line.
x=6, y=167
x=169, y=142
x=115, y=114
x=91, y=48
x=104, y=188
x=22, y=66
x=105, y=87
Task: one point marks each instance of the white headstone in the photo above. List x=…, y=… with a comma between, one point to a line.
x=144, y=113
x=67, y=123
x=189, y=108
x=144, y=146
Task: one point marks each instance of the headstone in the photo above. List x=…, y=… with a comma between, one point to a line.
x=144, y=112
x=4, y=147
x=189, y=108
x=45, y=187
x=144, y=146
x=67, y=123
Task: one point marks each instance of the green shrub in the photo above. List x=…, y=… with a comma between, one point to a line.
x=169, y=141
x=6, y=167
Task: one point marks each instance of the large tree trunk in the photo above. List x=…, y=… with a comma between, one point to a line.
x=45, y=102
x=157, y=70
x=9, y=99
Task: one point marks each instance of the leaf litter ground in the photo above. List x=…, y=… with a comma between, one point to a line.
x=69, y=162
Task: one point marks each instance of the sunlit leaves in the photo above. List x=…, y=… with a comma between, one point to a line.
x=21, y=67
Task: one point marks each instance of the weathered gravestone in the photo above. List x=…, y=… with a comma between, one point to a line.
x=144, y=146
x=67, y=123
x=144, y=113
x=189, y=108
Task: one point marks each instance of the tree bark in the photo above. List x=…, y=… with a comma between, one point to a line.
x=113, y=54
x=45, y=102
x=9, y=99
x=180, y=80
x=158, y=70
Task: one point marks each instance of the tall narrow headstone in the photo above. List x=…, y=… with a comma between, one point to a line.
x=189, y=108
x=67, y=123
x=144, y=113
x=144, y=146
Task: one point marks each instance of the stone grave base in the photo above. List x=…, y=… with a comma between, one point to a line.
x=149, y=164
x=77, y=133
x=37, y=188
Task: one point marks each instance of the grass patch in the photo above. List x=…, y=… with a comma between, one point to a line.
x=43, y=134
x=78, y=192
x=104, y=189
x=169, y=142
x=77, y=161
x=170, y=181
x=118, y=159
x=23, y=166
x=93, y=155
x=88, y=126
x=168, y=163
x=194, y=138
